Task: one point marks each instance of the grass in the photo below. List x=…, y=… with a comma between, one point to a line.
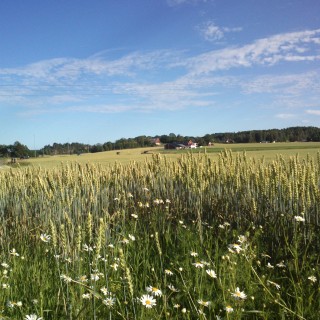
x=258, y=150
x=206, y=236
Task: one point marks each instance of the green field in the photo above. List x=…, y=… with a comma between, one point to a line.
x=215, y=234
x=268, y=151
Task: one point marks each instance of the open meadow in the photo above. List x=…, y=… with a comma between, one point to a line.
x=213, y=234
x=268, y=151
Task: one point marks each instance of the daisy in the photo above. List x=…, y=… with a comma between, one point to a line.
x=154, y=291
x=87, y=248
x=193, y=254
x=45, y=237
x=172, y=288
x=131, y=237
x=86, y=296
x=32, y=317
x=236, y=247
x=65, y=278
x=168, y=272
x=83, y=278
x=95, y=277
x=204, y=303
x=148, y=301
x=274, y=284
x=114, y=266
x=228, y=309
x=198, y=265
x=109, y=302
x=14, y=252
x=299, y=218
x=211, y=273
x=125, y=241
x=239, y=294
x=105, y=291
x=242, y=239
x=312, y=278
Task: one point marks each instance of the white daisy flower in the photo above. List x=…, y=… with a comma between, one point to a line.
x=45, y=237
x=228, y=309
x=154, y=291
x=299, y=219
x=32, y=317
x=168, y=272
x=237, y=294
x=148, y=301
x=193, y=254
x=109, y=302
x=198, y=265
x=312, y=279
x=211, y=273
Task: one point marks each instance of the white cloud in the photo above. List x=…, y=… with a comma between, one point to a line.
x=137, y=81
x=289, y=84
x=211, y=32
x=313, y=112
x=172, y=3
x=266, y=51
x=285, y=115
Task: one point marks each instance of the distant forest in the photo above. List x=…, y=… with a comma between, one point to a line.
x=278, y=135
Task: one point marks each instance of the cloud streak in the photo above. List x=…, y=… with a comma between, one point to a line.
x=211, y=32
x=313, y=112
x=137, y=81
x=266, y=52
x=173, y=3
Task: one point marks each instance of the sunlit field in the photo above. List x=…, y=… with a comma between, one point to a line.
x=206, y=235
x=268, y=151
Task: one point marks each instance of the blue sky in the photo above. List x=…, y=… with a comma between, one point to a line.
x=100, y=70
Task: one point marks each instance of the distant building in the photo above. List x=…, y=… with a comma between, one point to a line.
x=178, y=146
x=191, y=144
x=156, y=141
x=174, y=145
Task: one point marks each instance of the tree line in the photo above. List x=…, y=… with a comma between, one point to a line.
x=278, y=135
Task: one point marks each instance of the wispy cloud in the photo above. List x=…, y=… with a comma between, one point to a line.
x=285, y=115
x=266, y=51
x=289, y=84
x=137, y=81
x=57, y=70
x=179, y=2
x=211, y=32
x=314, y=112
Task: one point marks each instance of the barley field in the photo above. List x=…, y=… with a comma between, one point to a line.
x=194, y=236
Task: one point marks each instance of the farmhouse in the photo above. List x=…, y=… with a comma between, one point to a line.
x=174, y=145
x=179, y=146
x=156, y=141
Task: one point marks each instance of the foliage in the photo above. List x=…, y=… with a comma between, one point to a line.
x=279, y=135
